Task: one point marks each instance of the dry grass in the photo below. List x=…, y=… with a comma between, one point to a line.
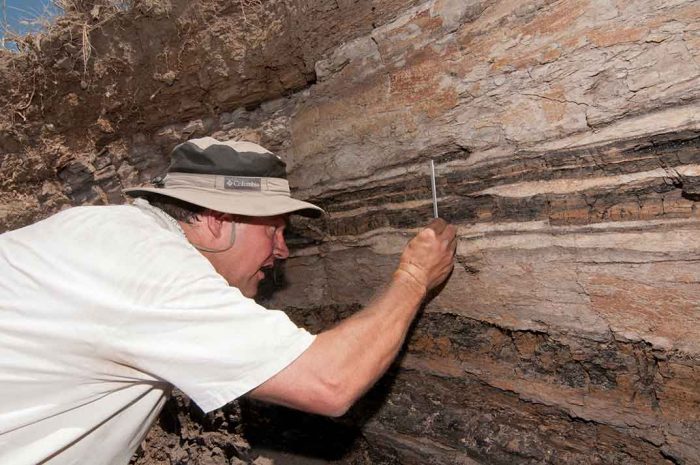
x=78, y=17
x=33, y=20
x=85, y=14
x=21, y=60
x=251, y=6
x=70, y=44
x=88, y=15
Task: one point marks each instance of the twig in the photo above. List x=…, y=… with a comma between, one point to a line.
x=4, y=21
x=85, y=48
x=29, y=102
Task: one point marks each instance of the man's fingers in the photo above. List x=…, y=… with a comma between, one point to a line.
x=438, y=225
x=453, y=244
x=432, y=254
x=443, y=229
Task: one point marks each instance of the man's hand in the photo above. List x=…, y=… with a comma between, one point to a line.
x=429, y=257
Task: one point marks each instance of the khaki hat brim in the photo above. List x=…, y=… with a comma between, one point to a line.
x=236, y=203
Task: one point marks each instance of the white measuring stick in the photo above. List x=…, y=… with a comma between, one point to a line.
x=432, y=186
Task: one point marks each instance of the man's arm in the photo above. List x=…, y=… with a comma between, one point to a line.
x=345, y=361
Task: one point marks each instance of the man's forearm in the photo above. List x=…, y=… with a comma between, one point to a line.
x=344, y=361
x=361, y=348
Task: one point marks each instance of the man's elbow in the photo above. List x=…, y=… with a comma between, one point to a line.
x=335, y=410
x=334, y=399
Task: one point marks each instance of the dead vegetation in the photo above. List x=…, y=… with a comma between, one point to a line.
x=105, y=71
x=112, y=73
x=121, y=60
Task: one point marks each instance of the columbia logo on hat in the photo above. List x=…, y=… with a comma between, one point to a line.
x=248, y=184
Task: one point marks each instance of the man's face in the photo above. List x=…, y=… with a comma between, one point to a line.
x=259, y=241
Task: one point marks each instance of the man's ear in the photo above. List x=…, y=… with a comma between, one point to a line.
x=215, y=222
x=210, y=233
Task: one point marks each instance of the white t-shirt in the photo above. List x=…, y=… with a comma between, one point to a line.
x=102, y=310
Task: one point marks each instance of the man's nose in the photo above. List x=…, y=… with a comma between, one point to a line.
x=280, y=250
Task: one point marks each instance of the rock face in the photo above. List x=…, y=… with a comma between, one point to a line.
x=566, y=137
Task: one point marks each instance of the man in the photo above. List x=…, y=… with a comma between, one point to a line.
x=104, y=309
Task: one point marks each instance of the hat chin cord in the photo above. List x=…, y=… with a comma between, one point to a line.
x=230, y=242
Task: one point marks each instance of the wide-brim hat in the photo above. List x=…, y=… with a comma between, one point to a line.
x=236, y=177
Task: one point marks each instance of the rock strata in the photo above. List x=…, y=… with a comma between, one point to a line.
x=566, y=139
